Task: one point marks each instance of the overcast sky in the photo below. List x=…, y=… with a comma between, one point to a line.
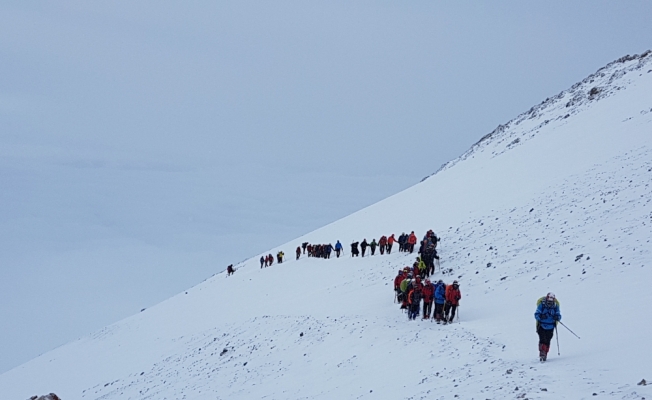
x=146, y=145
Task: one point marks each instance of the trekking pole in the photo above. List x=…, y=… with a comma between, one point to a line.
x=557, y=334
x=562, y=324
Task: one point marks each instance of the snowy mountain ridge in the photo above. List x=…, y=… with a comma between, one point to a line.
x=567, y=209
x=603, y=83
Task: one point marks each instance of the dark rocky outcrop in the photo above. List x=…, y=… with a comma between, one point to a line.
x=50, y=396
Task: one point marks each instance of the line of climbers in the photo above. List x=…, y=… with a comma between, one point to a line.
x=319, y=250
x=268, y=260
x=384, y=244
x=410, y=291
x=405, y=242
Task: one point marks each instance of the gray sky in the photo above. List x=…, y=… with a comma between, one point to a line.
x=146, y=145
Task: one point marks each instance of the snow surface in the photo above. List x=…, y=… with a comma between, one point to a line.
x=556, y=200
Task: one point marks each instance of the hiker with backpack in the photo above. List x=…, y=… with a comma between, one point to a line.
x=415, y=269
x=373, y=246
x=397, y=285
x=429, y=257
x=363, y=246
x=304, y=245
x=328, y=249
x=298, y=252
x=414, y=300
x=421, y=266
x=453, y=296
x=354, y=249
x=230, y=270
x=338, y=248
x=411, y=240
x=390, y=242
x=404, y=286
x=279, y=257
x=382, y=242
x=547, y=316
x=428, y=292
x=440, y=300
x=263, y=260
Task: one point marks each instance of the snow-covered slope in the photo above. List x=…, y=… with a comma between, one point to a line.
x=558, y=199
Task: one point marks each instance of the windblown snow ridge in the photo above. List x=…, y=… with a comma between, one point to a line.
x=603, y=83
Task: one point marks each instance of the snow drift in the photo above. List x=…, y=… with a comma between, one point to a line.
x=557, y=199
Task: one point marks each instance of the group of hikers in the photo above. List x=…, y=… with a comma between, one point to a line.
x=412, y=285
x=268, y=260
x=406, y=243
x=319, y=250
x=411, y=288
x=384, y=244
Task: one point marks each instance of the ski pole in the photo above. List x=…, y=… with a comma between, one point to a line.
x=562, y=324
x=557, y=334
x=437, y=252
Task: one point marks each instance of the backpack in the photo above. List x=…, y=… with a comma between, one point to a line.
x=541, y=300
